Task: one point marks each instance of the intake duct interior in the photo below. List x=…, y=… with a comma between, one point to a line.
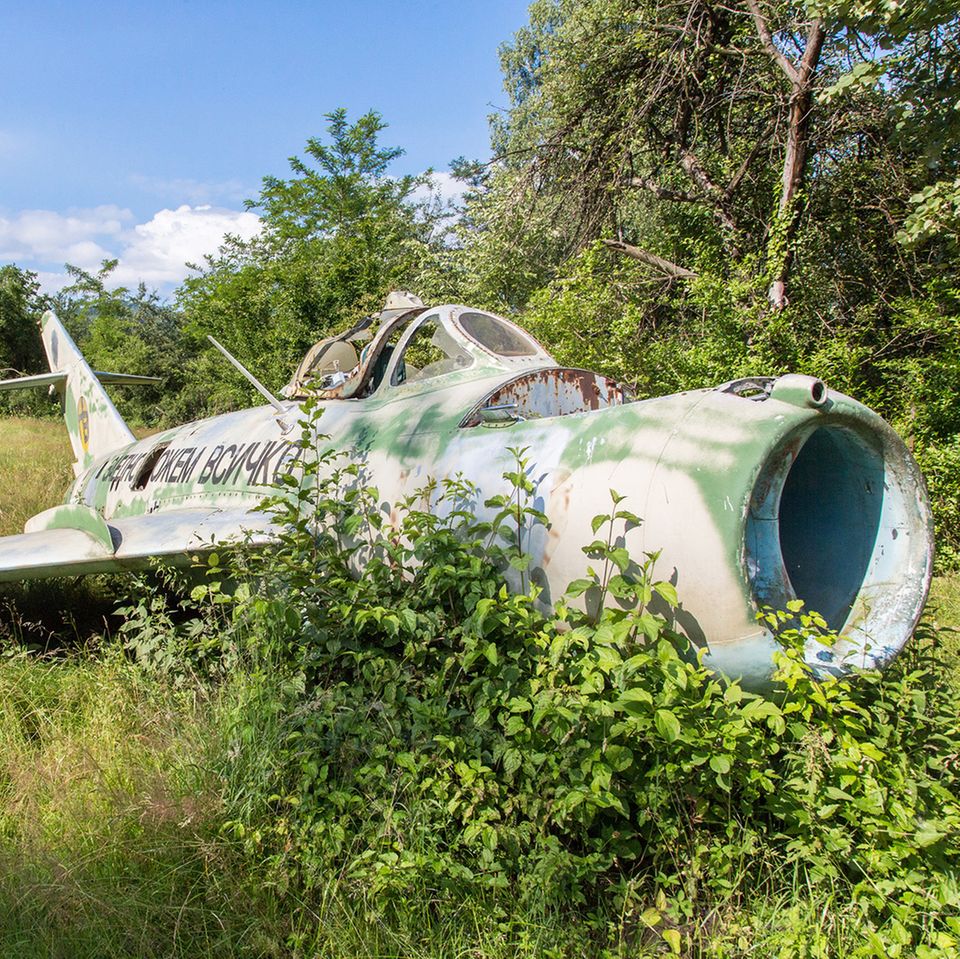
x=835, y=520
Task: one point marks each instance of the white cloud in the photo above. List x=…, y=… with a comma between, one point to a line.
x=443, y=185
x=51, y=281
x=157, y=251
x=449, y=187
x=49, y=237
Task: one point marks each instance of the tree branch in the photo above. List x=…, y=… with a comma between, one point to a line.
x=651, y=259
x=694, y=169
x=798, y=141
x=688, y=34
x=811, y=55
x=766, y=38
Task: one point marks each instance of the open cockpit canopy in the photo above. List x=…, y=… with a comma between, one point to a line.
x=508, y=374
x=416, y=345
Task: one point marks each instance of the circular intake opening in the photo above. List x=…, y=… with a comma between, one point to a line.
x=828, y=520
x=838, y=518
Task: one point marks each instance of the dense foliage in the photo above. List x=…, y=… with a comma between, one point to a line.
x=335, y=238
x=426, y=735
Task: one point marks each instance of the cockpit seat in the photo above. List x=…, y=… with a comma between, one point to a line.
x=322, y=360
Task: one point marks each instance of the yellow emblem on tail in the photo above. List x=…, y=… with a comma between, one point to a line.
x=83, y=423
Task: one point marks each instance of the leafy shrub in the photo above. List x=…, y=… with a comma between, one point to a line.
x=177, y=630
x=424, y=733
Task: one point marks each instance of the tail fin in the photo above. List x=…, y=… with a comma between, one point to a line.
x=94, y=425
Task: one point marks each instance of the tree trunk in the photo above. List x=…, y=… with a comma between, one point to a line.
x=801, y=77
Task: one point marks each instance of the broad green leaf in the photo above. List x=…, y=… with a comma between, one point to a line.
x=512, y=759
x=578, y=587
x=598, y=521
x=720, y=764
x=667, y=725
x=619, y=757
x=668, y=591
x=635, y=701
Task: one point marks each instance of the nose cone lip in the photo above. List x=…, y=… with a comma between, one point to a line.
x=839, y=518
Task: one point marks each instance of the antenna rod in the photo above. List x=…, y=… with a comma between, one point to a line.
x=271, y=399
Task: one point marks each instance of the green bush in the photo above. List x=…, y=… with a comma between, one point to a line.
x=418, y=733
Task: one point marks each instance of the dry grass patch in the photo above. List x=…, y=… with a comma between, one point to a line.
x=35, y=469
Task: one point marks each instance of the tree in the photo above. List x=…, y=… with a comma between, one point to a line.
x=128, y=332
x=667, y=127
x=727, y=191
x=21, y=305
x=917, y=60
x=337, y=236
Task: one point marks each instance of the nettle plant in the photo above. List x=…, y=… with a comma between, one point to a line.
x=440, y=731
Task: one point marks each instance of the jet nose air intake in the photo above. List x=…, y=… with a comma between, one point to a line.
x=838, y=518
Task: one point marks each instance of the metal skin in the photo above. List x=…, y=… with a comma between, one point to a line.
x=756, y=492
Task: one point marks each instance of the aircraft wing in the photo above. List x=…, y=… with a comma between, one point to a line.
x=72, y=540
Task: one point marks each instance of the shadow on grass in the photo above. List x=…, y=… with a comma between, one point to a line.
x=54, y=615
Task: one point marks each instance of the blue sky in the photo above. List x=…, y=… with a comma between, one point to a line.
x=137, y=129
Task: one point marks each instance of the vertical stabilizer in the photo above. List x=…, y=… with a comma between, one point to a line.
x=94, y=425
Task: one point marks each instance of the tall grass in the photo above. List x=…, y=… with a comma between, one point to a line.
x=109, y=816
x=110, y=807
x=35, y=471
x=943, y=609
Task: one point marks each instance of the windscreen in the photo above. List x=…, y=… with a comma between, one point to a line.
x=429, y=352
x=495, y=335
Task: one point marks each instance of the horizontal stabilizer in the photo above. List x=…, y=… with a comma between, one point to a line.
x=126, y=379
x=54, y=552
x=57, y=379
x=41, y=379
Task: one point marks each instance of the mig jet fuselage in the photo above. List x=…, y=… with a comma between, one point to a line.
x=755, y=493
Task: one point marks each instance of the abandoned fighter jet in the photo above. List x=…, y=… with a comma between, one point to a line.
x=756, y=492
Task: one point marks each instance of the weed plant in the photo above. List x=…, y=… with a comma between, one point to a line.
x=421, y=742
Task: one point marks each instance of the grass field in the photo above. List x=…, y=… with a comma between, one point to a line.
x=35, y=469
x=943, y=609
x=118, y=789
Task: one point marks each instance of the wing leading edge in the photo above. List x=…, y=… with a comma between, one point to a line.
x=75, y=540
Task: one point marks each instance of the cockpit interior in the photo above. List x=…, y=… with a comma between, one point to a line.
x=418, y=348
